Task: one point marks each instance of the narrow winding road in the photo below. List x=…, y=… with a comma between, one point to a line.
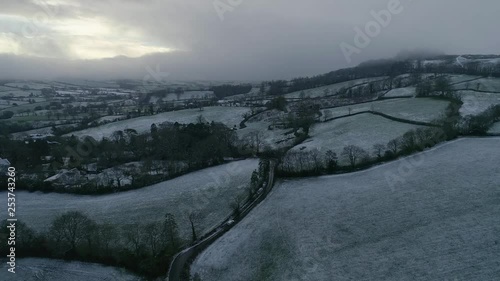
x=180, y=260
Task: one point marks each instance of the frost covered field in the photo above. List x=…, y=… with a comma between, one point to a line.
x=401, y=92
x=483, y=84
x=274, y=139
x=230, y=116
x=477, y=102
x=35, y=269
x=417, y=109
x=209, y=192
x=462, y=78
x=440, y=222
x=364, y=130
x=320, y=91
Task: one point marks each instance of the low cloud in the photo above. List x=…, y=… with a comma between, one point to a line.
x=256, y=40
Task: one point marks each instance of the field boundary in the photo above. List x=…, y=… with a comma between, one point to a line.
x=392, y=118
x=466, y=81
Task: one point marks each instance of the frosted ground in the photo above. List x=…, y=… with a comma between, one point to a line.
x=274, y=139
x=477, y=102
x=440, y=223
x=485, y=84
x=416, y=109
x=30, y=85
x=208, y=192
x=260, y=123
x=364, y=130
x=320, y=91
x=230, y=116
x=462, y=78
x=401, y=92
x=19, y=93
x=35, y=269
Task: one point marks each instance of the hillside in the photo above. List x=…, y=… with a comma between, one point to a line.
x=208, y=192
x=35, y=269
x=437, y=222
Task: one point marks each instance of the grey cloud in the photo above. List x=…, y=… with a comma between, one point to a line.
x=265, y=39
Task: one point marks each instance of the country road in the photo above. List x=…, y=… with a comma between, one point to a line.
x=180, y=260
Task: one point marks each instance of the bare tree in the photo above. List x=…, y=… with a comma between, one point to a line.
x=154, y=237
x=107, y=236
x=236, y=205
x=255, y=140
x=393, y=146
x=200, y=119
x=331, y=160
x=316, y=159
x=353, y=154
x=193, y=216
x=171, y=231
x=134, y=237
x=70, y=228
x=379, y=150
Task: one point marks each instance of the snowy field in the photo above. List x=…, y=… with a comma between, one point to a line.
x=460, y=78
x=36, y=269
x=5, y=88
x=28, y=85
x=495, y=129
x=111, y=118
x=417, y=109
x=208, y=192
x=87, y=83
x=440, y=222
x=73, y=93
x=401, y=92
x=485, y=84
x=320, y=91
x=477, y=102
x=364, y=130
x=258, y=132
x=230, y=116
x=26, y=134
x=19, y=93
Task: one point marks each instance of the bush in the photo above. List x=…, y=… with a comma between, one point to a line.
x=7, y=115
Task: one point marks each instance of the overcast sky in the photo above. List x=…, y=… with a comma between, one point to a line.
x=226, y=39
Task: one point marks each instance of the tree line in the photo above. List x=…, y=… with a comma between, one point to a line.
x=298, y=163
x=386, y=67
x=226, y=90
x=143, y=248
x=177, y=148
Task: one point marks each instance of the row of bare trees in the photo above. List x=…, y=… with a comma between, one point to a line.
x=315, y=161
x=73, y=235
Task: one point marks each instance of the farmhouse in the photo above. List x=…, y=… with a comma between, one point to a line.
x=66, y=178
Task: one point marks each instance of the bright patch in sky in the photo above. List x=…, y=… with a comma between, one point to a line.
x=73, y=38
